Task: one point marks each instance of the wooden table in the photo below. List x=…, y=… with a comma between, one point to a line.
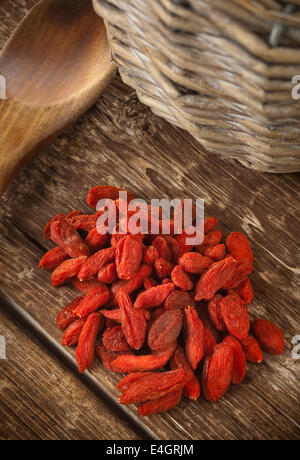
x=120, y=142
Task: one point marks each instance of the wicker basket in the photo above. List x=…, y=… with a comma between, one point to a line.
x=221, y=69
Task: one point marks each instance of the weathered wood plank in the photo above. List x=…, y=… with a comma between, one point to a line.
x=121, y=142
x=41, y=398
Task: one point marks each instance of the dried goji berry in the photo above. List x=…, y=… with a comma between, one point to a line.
x=243, y=268
x=102, y=192
x=47, y=231
x=133, y=322
x=235, y=316
x=67, y=270
x=93, y=300
x=132, y=363
x=154, y=297
x=214, y=278
x=154, y=386
x=193, y=262
x=179, y=299
x=217, y=372
x=216, y=252
x=239, y=246
x=215, y=313
x=85, y=286
x=192, y=388
x=114, y=339
x=165, y=330
x=108, y=274
x=124, y=384
x=239, y=359
x=162, y=248
x=67, y=238
x=269, y=336
x=96, y=241
x=86, y=344
x=174, y=247
x=66, y=316
x=157, y=406
x=163, y=268
x=194, y=336
x=85, y=222
x=181, y=279
x=151, y=255
x=252, y=349
x=53, y=258
x=245, y=291
x=210, y=224
x=129, y=256
x=72, y=333
x=97, y=261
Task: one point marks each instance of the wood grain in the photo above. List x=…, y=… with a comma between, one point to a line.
x=59, y=406
x=120, y=141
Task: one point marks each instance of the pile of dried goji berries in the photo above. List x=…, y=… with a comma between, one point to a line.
x=153, y=303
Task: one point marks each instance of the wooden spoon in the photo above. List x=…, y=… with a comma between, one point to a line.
x=55, y=65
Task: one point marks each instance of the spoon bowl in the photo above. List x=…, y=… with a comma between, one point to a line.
x=55, y=65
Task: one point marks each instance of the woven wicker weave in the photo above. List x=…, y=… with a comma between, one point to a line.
x=209, y=66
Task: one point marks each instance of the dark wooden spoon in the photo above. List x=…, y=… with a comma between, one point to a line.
x=55, y=66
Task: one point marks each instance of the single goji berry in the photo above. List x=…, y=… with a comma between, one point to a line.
x=245, y=291
x=72, y=333
x=242, y=270
x=157, y=406
x=179, y=299
x=129, y=256
x=181, y=279
x=154, y=297
x=85, y=222
x=269, y=336
x=86, y=344
x=216, y=252
x=132, y=363
x=151, y=255
x=154, y=386
x=96, y=241
x=252, y=349
x=66, y=316
x=214, y=278
x=217, y=372
x=103, y=192
x=124, y=384
x=67, y=238
x=108, y=273
x=165, y=330
x=67, y=270
x=210, y=224
x=114, y=339
x=162, y=248
x=194, y=336
x=57, y=218
x=53, y=258
x=193, y=262
x=210, y=240
x=163, y=268
x=235, y=315
x=85, y=286
x=239, y=359
x=238, y=245
x=133, y=322
x=93, y=300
